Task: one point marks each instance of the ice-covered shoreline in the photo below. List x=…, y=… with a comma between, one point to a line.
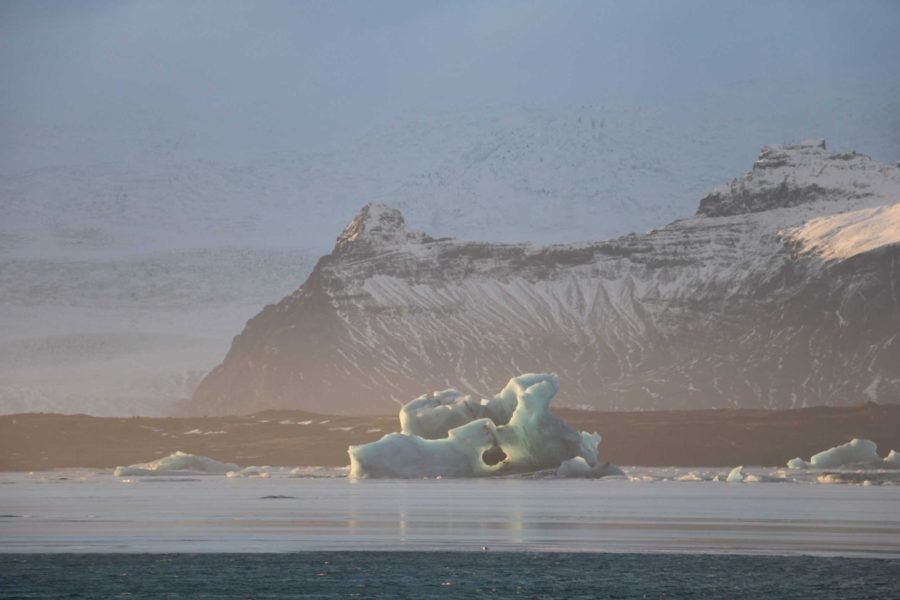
x=715, y=438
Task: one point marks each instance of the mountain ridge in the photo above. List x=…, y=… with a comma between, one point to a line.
x=736, y=309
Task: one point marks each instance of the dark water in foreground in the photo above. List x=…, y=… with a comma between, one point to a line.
x=444, y=574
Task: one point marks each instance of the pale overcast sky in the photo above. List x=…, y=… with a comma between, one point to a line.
x=289, y=73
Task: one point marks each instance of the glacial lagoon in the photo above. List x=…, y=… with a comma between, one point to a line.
x=653, y=510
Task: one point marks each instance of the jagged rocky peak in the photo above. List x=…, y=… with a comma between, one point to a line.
x=377, y=225
x=773, y=157
x=802, y=173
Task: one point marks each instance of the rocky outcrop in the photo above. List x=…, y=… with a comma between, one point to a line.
x=767, y=297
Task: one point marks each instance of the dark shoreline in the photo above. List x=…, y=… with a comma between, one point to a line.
x=723, y=437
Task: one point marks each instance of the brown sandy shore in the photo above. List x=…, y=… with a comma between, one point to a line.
x=30, y=442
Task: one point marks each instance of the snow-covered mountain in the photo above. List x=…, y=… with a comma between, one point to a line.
x=127, y=263
x=506, y=173
x=781, y=291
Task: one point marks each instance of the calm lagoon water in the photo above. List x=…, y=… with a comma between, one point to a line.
x=75, y=511
x=84, y=534
x=446, y=575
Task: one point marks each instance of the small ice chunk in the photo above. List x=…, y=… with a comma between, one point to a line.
x=798, y=463
x=893, y=458
x=845, y=478
x=736, y=475
x=691, y=476
x=857, y=452
x=255, y=472
x=318, y=472
x=574, y=467
x=179, y=463
x=754, y=478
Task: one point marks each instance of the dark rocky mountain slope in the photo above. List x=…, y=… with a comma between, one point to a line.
x=782, y=291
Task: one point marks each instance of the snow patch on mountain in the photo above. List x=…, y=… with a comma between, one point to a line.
x=847, y=234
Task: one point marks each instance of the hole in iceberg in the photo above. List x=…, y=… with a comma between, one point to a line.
x=493, y=456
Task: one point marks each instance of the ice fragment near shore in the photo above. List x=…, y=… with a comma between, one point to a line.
x=249, y=472
x=449, y=434
x=736, y=475
x=857, y=452
x=179, y=463
x=578, y=467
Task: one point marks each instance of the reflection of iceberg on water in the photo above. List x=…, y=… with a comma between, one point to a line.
x=450, y=434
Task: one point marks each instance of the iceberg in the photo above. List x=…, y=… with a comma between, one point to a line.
x=179, y=463
x=736, y=475
x=451, y=434
x=740, y=475
x=855, y=453
x=578, y=467
x=692, y=476
x=249, y=472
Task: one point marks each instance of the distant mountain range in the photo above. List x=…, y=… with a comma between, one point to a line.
x=128, y=263
x=783, y=290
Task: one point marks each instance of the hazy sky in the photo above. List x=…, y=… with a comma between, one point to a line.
x=269, y=73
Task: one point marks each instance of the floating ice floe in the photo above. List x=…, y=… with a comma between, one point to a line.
x=578, y=467
x=450, y=434
x=739, y=475
x=317, y=472
x=255, y=472
x=179, y=463
x=692, y=476
x=736, y=475
x=856, y=478
x=855, y=453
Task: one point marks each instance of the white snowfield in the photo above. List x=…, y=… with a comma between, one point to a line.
x=448, y=434
x=857, y=453
x=841, y=236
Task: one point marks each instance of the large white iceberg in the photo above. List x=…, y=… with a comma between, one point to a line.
x=450, y=434
x=179, y=463
x=855, y=453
